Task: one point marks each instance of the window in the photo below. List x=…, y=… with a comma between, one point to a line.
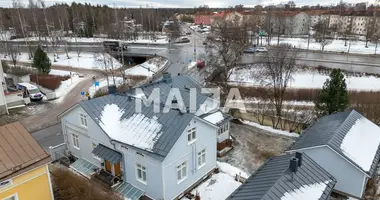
x=93, y=147
x=182, y=172
x=5, y=183
x=13, y=197
x=191, y=135
x=141, y=173
x=223, y=128
x=83, y=119
x=76, y=141
x=201, y=158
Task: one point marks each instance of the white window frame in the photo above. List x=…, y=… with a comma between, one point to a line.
x=182, y=169
x=93, y=147
x=75, y=138
x=14, y=196
x=201, y=158
x=10, y=182
x=143, y=169
x=191, y=135
x=83, y=119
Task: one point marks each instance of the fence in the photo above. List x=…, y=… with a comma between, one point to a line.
x=57, y=152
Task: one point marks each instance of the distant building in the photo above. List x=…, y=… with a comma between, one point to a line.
x=202, y=18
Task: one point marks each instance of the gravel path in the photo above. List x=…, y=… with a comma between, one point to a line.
x=253, y=146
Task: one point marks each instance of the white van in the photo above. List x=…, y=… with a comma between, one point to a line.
x=30, y=90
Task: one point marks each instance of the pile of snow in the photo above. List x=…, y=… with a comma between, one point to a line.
x=310, y=192
x=137, y=130
x=214, y=118
x=66, y=86
x=191, y=65
x=361, y=143
x=305, y=79
x=148, y=68
x=220, y=185
x=103, y=83
x=60, y=72
x=270, y=129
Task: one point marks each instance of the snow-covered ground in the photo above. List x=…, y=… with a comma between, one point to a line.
x=60, y=72
x=219, y=186
x=66, y=86
x=85, y=60
x=191, y=65
x=336, y=45
x=306, y=79
x=148, y=68
x=103, y=83
x=270, y=129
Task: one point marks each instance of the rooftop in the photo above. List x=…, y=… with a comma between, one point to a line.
x=274, y=180
x=19, y=151
x=349, y=134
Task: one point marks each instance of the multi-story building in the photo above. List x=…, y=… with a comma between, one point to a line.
x=158, y=155
x=24, y=173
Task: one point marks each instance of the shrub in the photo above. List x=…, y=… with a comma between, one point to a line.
x=69, y=186
x=50, y=82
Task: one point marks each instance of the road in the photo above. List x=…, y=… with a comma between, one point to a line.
x=50, y=136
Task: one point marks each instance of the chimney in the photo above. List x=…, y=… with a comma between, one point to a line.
x=293, y=165
x=166, y=77
x=299, y=157
x=112, y=89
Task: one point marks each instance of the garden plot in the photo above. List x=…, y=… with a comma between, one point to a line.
x=305, y=79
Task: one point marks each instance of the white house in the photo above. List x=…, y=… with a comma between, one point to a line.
x=157, y=155
x=346, y=145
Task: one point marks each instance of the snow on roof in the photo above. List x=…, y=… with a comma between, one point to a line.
x=310, y=192
x=138, y=130
x=361, y=143
x=214, y=118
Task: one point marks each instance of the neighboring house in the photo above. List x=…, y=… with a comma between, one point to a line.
x=346, y=145
x=203, y=18
x=301, y=24
x=155, y=155
x=24, y=173
x=287, y=177
x=3, y=87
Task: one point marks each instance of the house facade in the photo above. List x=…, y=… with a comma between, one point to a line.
x=203, y=18
x=3, y=106
x=345, y=140
x=301, y=24
x=156, y=155
x=24, y=172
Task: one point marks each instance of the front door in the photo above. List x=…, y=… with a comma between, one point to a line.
x=117, y=168
x=108, y=166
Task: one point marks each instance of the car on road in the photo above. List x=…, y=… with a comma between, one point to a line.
x=188, y=33
x=183, y=40
x=30, y=90
x=204, y=43
x=250, y=50
x=261, y=49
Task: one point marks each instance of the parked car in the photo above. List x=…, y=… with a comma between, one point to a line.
x=204, y=43
x=30, y=90
x=250, y=50
x=261, y=49
x=188, y=33
x=201, y=64
x=183, y=40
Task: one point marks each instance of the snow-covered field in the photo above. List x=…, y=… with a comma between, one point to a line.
x=336, y=45
x=307, y=79
x=220, y=186
x=85, y=60
x=148, y=68
x=103, y=83
x=162, y=40
x=270, y=129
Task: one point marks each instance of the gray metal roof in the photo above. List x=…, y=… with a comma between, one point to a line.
x=330, y=130
x=273, y=179
x=173, y=122
x=107, y=154
x=226, y=116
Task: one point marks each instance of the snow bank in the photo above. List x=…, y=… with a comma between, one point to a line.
x=309, y=192
x=231, y=170
x=191, y=65
x=137, y=130
x=66, y=86
x=148, y=68
x=361, y=143
x=141, y=40
x=270, y=129
x=103, y=83
x=60, y=72
x=214, y=118
x=302, y=79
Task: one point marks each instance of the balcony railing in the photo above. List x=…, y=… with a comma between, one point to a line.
x=106, y=178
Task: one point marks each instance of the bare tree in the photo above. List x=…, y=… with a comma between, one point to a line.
x=260, y=109
x=225, y=46
x=14, y=53
x=106, y=62
x=269, y=25
x=275, y=74
x=322, y=33
x=174, y=31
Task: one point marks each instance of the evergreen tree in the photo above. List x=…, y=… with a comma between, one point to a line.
x=41, y=61
x=334, y=95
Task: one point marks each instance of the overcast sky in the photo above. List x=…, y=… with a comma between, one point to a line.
x=185, y=3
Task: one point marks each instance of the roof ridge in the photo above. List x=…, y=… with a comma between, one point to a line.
x=340, y=126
